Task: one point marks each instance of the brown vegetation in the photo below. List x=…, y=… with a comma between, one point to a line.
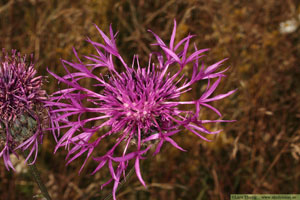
x=257, y=154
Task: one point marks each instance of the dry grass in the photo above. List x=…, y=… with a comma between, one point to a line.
x=257, y=154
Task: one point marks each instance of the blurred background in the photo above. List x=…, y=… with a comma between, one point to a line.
x=257, y=154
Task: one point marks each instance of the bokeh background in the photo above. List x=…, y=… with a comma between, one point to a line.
x=257, y=154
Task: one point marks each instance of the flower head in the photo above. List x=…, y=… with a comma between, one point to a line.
x=141, y=105
x=22, y=114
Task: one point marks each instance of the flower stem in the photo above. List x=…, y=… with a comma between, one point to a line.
x=108, y=197
x=36, y=175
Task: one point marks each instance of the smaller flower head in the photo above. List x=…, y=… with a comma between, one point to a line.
x=22, y=114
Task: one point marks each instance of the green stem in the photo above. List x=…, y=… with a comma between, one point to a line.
x=36, y=175
x=122, y=183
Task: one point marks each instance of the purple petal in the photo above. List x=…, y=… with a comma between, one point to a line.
x=211, y=89
x=173, y=36
x=138, y=172
x=125, y=158
x=213, y=67
x=220, y=96
x=171, y=53
x=174, y=143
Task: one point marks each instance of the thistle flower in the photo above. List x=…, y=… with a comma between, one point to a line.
x=140, y=105
x=22, y=114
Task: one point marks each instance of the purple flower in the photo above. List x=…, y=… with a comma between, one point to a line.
x=140, y=105
x=22, y=113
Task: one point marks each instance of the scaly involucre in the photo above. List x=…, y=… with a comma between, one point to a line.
x=140, y=104
x=23, y=116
